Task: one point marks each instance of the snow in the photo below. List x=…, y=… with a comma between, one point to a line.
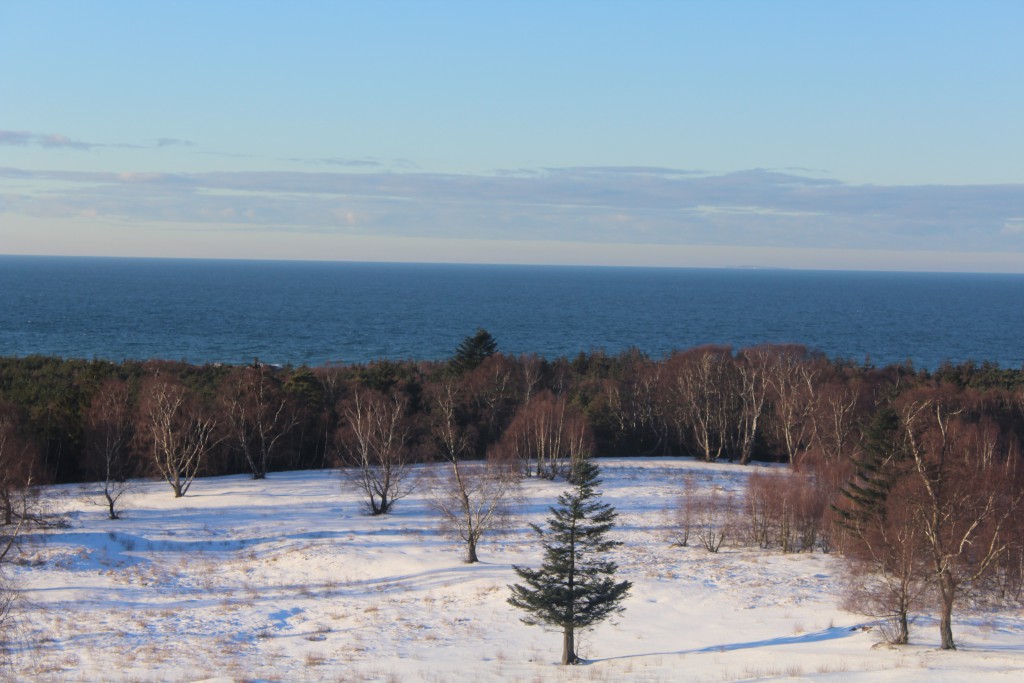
x=287, y=579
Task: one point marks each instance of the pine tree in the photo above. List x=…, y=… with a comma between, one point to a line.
x=574, y=587
x=472, y=351
x=865, y=495
x=884, y=540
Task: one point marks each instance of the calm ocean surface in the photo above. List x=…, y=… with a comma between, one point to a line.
x=294, y=313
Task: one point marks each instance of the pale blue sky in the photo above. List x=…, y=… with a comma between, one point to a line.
x=800, y=134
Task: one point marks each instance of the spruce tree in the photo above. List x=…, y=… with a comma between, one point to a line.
x=575, y=586
x=865, y=495
x=472, y=351
x=883, y=538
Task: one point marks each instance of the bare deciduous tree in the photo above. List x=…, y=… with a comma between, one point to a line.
x=471, y=497
x=793, y=378
x=966, y=497
x=109, y=430
x=18, y=466
x=888, y=576
x=176, y=430
x=375, y=438
x=635, y=405
x=752, y=368
x=491, y=390
x=834, y=420
x=259, y=416
x=17, y=504
x=530, y=374
x=447, y=425
x=935, y=500
x=474, y=499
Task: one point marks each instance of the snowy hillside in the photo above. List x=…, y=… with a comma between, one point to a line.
x=287, y=579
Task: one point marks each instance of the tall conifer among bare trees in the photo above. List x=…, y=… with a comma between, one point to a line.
x=935, y=501
x=575, y=586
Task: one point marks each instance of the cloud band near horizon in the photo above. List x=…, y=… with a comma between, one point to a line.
x=757, y=209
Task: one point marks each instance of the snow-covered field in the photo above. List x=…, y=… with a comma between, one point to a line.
x=287, y=579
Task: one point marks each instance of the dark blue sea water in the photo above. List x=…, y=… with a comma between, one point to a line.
x=305, y=312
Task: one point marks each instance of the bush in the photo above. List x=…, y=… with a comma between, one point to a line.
x=708, y=515
x=785, y=510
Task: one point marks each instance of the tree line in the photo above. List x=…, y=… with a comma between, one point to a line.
x=73, y=420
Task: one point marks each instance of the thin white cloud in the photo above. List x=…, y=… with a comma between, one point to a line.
x=336, y=161
x=174, y=142
x=19, y=138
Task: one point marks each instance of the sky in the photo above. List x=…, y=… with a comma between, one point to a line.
x=838, y=135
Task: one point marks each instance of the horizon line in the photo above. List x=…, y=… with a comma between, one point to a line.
x=741, y=267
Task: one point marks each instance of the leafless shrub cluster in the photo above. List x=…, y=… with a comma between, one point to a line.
x=707, y=516
x=785, y=511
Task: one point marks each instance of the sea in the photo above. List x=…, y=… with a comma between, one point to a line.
x=314, y=313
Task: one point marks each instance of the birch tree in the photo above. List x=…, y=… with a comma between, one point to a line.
x=472, y=497
x=259, y=416
x=793, y=379
x=752, y=368
x=546, y=436
x=177, y=431
x=967, y=496
x=702, y=390
x=375, y=439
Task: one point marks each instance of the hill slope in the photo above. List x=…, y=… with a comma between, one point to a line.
x=287, y=579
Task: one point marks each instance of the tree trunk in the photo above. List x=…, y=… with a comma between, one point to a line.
x=569, y=646
x=748, y=443
x=471, y=551
x=946, y=592
x=380, y=508
x=903, y=632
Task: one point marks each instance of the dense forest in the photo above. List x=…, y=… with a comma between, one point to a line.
x=769, y=403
